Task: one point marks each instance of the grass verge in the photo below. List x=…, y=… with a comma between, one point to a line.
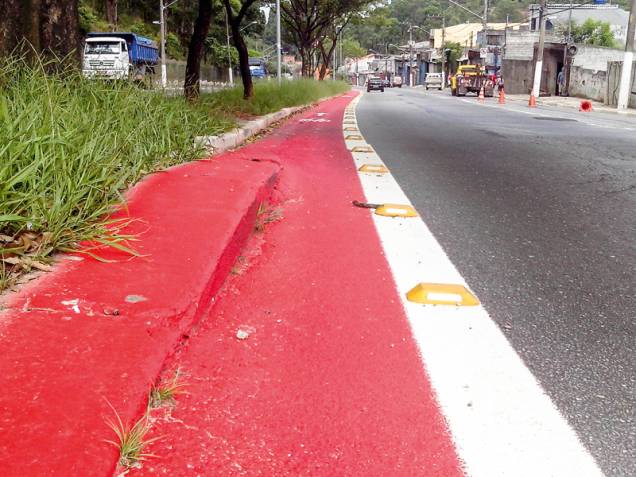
x=70, y=148
x=269, y=97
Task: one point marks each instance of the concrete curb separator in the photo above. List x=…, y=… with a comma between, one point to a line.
x=92, y=333
x=236, y=137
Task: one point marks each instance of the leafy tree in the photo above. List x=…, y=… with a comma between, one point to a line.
x=352, y=49
x=315, y=26
x=594, y=32
x=454, y=52
x=512, y=10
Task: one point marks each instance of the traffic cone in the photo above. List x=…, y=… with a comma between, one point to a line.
x=502, y=97
x=481, y=98
x=533, y=101
x=585, y=107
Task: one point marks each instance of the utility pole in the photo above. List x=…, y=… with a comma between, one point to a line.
x=485, y=45
x=566, y=66
x=443, y=51
x=411, y=54
x=626, y=74
x=162, y=34
x=538, y=63
x=229, y=52
x=279, y=65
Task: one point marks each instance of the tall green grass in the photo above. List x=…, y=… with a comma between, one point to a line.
x=70, y=147
x=269, y=97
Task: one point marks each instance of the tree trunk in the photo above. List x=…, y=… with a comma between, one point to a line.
x=244, y=61
x=20, y=27
x=41, y=26
x=324, y=63
x=111, y=13
x=327, y=56
x=191, y=87
x=307, y=55
x=59, y=28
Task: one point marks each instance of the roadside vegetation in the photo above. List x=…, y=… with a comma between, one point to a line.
x=70, y=148
x=269, y=97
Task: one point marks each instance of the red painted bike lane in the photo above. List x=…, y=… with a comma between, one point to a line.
x=329, y=381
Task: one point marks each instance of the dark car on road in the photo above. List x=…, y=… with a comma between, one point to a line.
x=375, y=84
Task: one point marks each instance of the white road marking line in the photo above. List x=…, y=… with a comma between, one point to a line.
x=502, y=422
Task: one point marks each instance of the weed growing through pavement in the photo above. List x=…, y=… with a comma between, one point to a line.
x=240, y=266
x=131, y=440
x=165, y=393
x=266, y=215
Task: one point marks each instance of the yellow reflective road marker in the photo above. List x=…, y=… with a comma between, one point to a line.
x=374, y=168
x=396, y=210
x=351, y=129
x=362, y=149
x=442, y=294
x=354, y=137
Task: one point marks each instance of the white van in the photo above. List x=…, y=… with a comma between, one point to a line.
x=433, y=80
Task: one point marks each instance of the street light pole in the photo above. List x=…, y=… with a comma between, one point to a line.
x=162, y=34
x=162, y=39
x=279, y=72
x=229, y=52
x=626, y=73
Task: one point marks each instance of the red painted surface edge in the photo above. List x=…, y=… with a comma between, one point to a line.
x=92, y=332
x=329, y=380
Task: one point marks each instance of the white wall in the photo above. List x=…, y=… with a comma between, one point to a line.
x=595, y=58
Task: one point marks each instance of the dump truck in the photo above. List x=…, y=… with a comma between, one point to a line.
x=115, y=55
x=470, y=79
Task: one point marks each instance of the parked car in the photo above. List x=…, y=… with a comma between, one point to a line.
x=375, y=84
x=386, y=83
x=397, y=81
x=433, y=80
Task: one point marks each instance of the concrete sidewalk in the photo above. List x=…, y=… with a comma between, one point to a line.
x=569, y=102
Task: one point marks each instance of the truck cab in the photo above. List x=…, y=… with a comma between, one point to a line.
x=106, y=57
x=118, y=56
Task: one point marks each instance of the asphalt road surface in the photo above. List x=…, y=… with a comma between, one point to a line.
x=537, y=209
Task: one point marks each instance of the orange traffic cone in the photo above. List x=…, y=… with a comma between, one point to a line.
x=502, y=97
x=481, y=98
x=585, y=107
x=533, y=101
